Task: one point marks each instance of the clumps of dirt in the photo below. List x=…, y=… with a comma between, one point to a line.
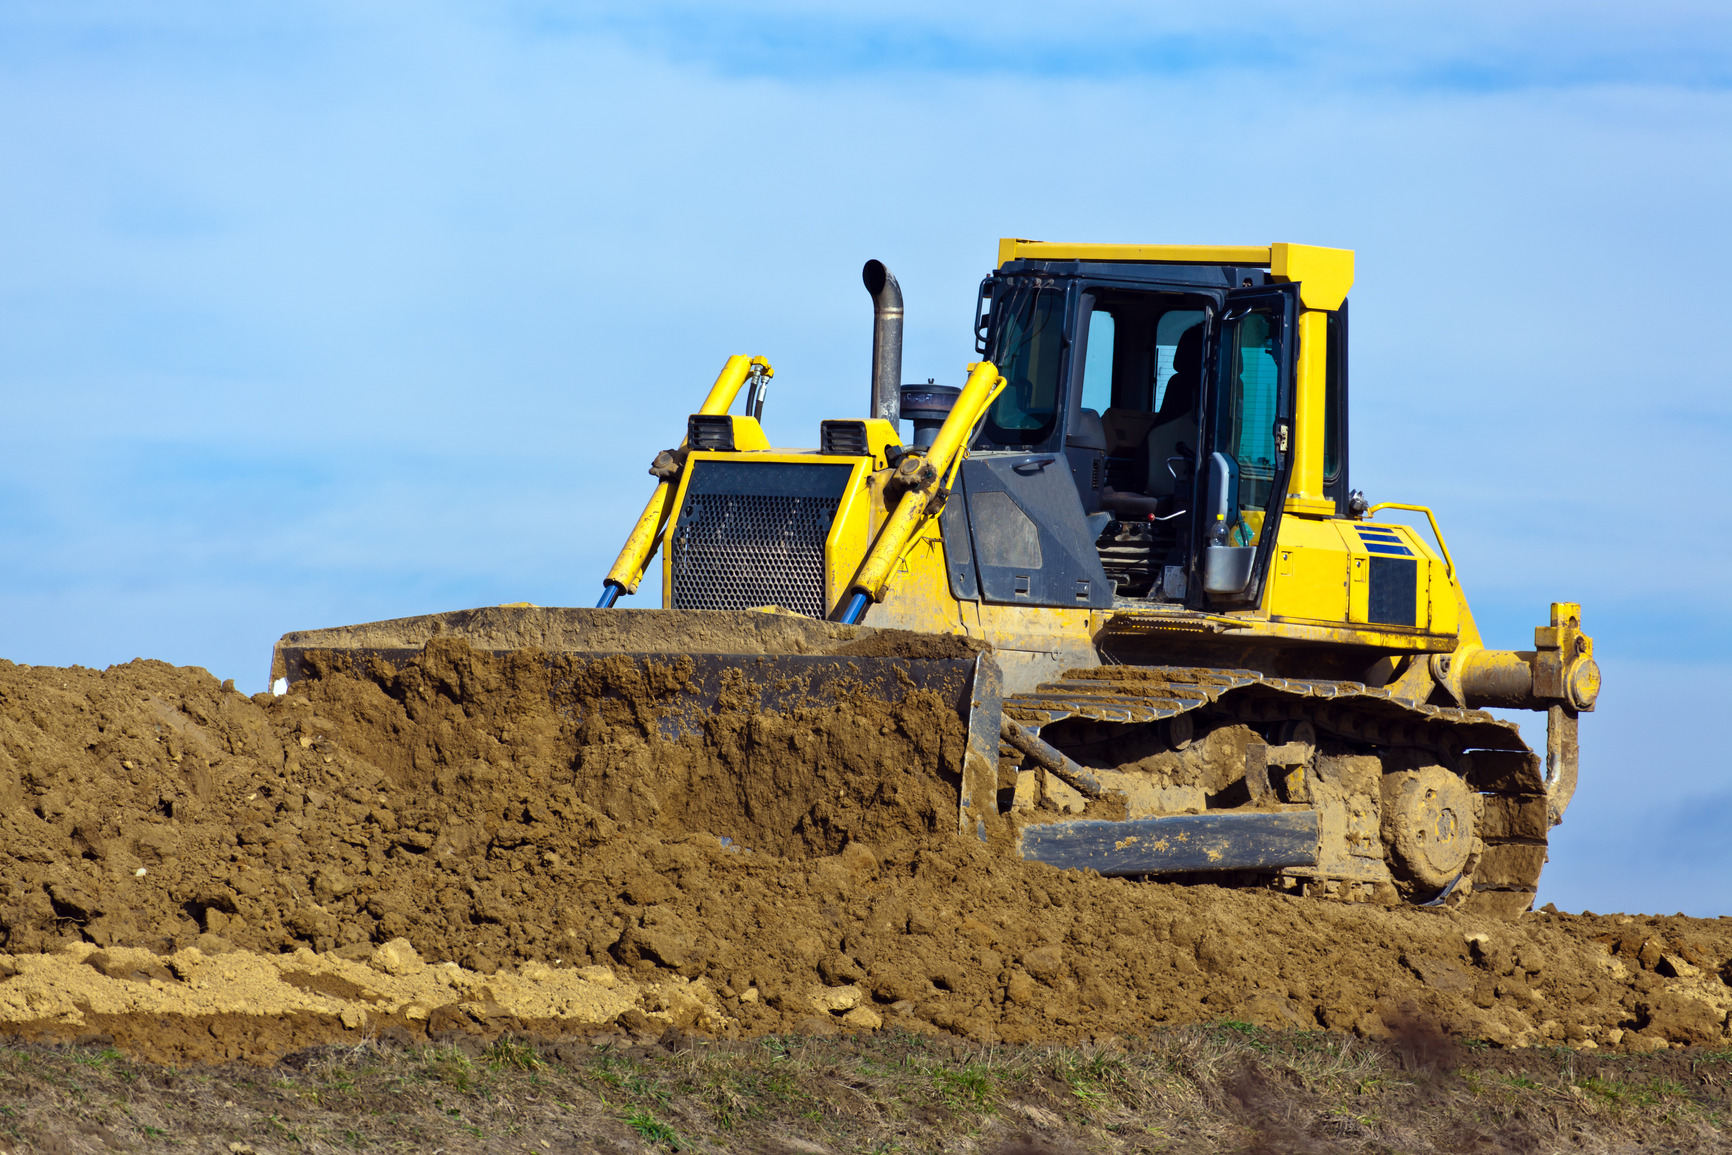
x=801, y=864
x=886, y=643
x=461, y=801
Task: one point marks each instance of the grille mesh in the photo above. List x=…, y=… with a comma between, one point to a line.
x=735, y=551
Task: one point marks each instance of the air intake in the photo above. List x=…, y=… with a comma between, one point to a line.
x=927, y=406
x=710, y=431
x=843, y=439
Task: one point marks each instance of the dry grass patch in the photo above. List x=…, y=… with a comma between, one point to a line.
x=1220, y=1087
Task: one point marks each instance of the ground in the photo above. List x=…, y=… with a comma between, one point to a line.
x=1209, y=1088
x=476, y=901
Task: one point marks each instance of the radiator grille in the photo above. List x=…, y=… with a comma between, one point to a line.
x=753, y=535
x=1394, y=591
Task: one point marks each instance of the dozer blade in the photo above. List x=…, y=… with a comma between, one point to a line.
x=660, y=633
x=700, y=661
x=690, y=665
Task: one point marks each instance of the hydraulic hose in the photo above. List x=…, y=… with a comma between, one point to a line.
x=855, y=609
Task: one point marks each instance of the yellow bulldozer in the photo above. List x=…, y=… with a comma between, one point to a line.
x=1197, y=653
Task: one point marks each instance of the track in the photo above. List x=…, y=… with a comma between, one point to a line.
x=1091, y=712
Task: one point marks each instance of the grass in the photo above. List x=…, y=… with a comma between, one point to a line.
x=652, y=1129
x=508, y=1053
x=1646, y=1093
x=1222, y=1086
x=967, y=1088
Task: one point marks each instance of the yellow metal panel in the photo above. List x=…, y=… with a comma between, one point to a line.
x=1007, y=249
x=1324, y=275
x=1322, y=570
x=675, y=506
x=749, y=435
x=851, y=532
x=1248, y=255
x=1311, y=572
x=1015, y=248
x=881, y=437
x=918, y=597
x=1240, y=627
x=1358, y=583
x=1050, y=628
x=1305, y=491
x=1437, y=608
x=1445, y=600
x=1438, y=597
x=1423, y=586
x=1443, y=604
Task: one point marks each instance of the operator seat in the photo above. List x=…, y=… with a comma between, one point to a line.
x=1174, y=432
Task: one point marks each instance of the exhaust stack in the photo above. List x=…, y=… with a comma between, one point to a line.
x=886, y=341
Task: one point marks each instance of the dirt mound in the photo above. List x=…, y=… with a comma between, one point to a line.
x=801, y=865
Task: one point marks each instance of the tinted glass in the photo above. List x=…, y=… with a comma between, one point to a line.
x=1172, y=325
x=1245, y=427
x=1097, y=393
x=1028, y=336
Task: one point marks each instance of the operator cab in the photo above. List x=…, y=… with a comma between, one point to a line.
x=1145, y=378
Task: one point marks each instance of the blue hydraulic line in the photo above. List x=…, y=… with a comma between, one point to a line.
x=610, y=591
x=856, y=608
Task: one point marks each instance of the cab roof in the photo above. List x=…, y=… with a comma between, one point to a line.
x=1324, y=275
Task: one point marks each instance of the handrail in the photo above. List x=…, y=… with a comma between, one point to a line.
x=645, y=537
x=1448, y=561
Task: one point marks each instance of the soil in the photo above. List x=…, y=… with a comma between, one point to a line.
x=472, y=844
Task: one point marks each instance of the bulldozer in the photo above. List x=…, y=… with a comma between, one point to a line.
x=1194, y=651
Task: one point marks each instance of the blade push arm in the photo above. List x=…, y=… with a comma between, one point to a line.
x=640, y=547
x=924, y=480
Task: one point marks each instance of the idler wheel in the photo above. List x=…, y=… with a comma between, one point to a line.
x=1427, y=826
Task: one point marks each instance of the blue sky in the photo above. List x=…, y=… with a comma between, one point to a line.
x=321, y=313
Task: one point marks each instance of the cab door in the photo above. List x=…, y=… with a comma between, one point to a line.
x=1242, y=481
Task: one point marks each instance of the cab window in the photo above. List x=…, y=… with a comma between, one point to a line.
x=1174, y=324
x=1097, y=391
x=1245, y=427
x=1028, y=338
